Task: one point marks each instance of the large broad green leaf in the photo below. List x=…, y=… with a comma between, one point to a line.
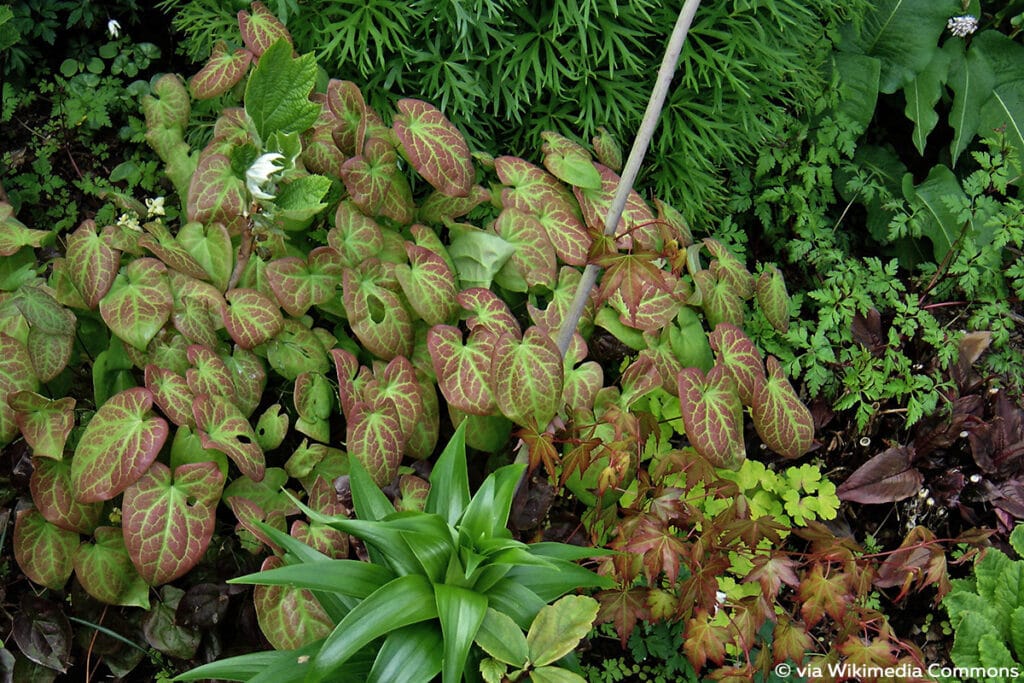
x=43, y=550
x=460, y=611
x=54, y=497
x=858, y=87
x=478, y=255
x=92, y=263
x=106, y=571
x=903, y=35
x=13, y=233
x=404, y=601
x=740, y=357
x=120, y=443
x=139, y=302
x=168, y=520
x=289, y=617
x=939, y=221
x=449, y=480
x=782, y=421
x=210, y=245
x=277, y=94
x=713, y=415
x=412, y=654
x=45, y=423
x=300, y=200
x=971, y=78
x=223, y=427
x=501, y=637
x=1005, y=111
x=922, y=94
x=463, y=370
x=222, y=71
x=560, y=627
x=527, y=377
x=434, y=147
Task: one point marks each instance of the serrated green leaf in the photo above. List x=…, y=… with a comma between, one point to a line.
x=106, y=571
x=277, y=94
x=43, y=550
x=434, y=147
x=782, y=421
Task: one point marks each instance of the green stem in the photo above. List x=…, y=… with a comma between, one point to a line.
x=113, y=634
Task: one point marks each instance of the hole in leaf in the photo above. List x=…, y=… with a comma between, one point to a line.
x=191, y=501
x=243, y=439
x=376, y=307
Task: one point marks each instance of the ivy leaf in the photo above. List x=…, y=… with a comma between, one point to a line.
x=139, y=302
x=43, y=550
x=223, y=427
x=106, y=571
x=740, y=357
x=13, y=233
x=527, y=377
x=569, y=162
x=782, y=421
x=261, y=29
x=168, y=520
x=277, y=93
x=221, y=72
x=45, y=423
x=119, y=444
x=289, y=617
x=53, y=495
x=434, y=147
x=885, y=478
x=713, y=415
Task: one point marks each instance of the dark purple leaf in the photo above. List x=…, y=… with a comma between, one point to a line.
x=43, y=633
x=885, y=478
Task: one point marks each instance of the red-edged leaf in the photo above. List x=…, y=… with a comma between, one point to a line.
x=434, y=147
x=120, y=443
x=43, y=550
x=221, y=72
x=92, y=263
x=45, y=423
x=346, y=103
x=248, y=376
x=771, y=571
x=560, y=300
x=171, y=394
x=139, y=302
x=377, y=315
x=209, y=374
x=674, y=225
x=782, y=421
x=369, y=175
x=298, y=285
x=168, y=521
x=822, y=593
x=773, y=298
x=216, y=194
x=790, y=640
x=636, y=278
x=421, y=440
x=720, y=302
x=527, y=377
x=223, y=427
x=740, y=357
x=428, y=284
x=210, y=246
x=289, y=617
x=106, y=571
x=198, y=309
x=159, y=240
x=661, y=547
x=539, y=193
x=487, y=311
x=713, y=415
x=375, y=438
x=463, y=370
x=534, y=258
x=569, y=162
x=322, y=537
x=251, y=318
x=53, y=496
x=261, y=29
x=13, y=233
x=636, y=227
x=607, y=149
x=703, y=640
x=320, y=153
x=355, y=236
x=346, y=366
x=727, y=268
x=885, y=478
x=623, y=607
x=438, y=208
x=397, y=382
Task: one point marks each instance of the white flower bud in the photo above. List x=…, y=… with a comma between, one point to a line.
x=114, y=28
x=258, y=175
x=962, y=26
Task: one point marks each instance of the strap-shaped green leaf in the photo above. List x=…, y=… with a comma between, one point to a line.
x=449, y=480
x=412, y=654
x=354, y=578
x=285, y=665
x=139, y=302
x=434, y=147
x=120, y=443
x=460, y=611
x=781, y=419
x=277, y=94
x=486, y=516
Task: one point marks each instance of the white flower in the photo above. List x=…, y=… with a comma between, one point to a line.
x=258, y=175
x=155, y=207
x=962, y=26
x=130, y=221
x=114, y=28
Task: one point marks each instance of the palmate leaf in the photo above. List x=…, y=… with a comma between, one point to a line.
x=633, y=276
x=277, y=93
x=463, y=370
x=92, y=263
x=623, y=607
x=54, y=497
x=168, y=519
x=139, y=302
x=43, y=551
x=782, y=421
x=106, y=572
x=290, y=617
x=434, y=147
x=45, y=423
x=120, y=443
x=713, y=415
x=527, y=377
x=222, y=426
x=221, y=72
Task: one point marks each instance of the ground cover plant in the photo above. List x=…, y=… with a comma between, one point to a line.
x=223, y=379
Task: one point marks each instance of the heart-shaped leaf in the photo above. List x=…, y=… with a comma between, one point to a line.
x=216, y=194
x=637, y=223
x=720, y=302
x=730, y=270
x=740, y=357
x=355, y=236
x=289, y=617
x=296, y=349
x=210, y=246
x=527, y=377
x=772, y=298
x=43, y=550
x=261, y=29
x=251, y=318
x=463, y=370
x=607, y=149
x=320, y=153
x=120, y=443
x=713, y=415
x=168, y=520
x=106, y=571
x=428, y=284
x=222, y=72
x=376, y=313
x=50, y=353
x=397, y=382
x=487, y=311
x=53, y=496
x=209, y=374
x=198, y=309
x=171, y=394
x=248, y=377
x=569, y=162
x=223, y=427
x=375, y=438
x=45, y=423
x=369, y=176
x=534, y=258
x=885, y=478
x=346, y=102
x=434, y=147
x=139, y=302
x=322, y=537
x=43, y=634
x=438, y=207
x=782, y=421
x=299, y=285
x=162, y=244
x=13, y=233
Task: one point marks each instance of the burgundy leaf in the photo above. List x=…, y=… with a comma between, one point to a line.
x=885, y=478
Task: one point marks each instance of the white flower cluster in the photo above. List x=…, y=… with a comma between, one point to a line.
x=962, y=26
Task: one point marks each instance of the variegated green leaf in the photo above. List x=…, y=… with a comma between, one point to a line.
x=740, y=357
x=119, y=444
x=346, y=102
x=198, y=309
x=674, y=224
x=422, y=438
x=209, y=374
x=54, y=497
x=261, y=29
x=248, y=377
x=223, y=427
x=42, y=550
x=376, y=313
x=368, y=177
x=772, y=298
x=463, y=370
x=636, y=227
x=429, y=285
x=569, y=162
x=375, y=438
x=92, y=263
x=718, y=299
x=45, y=423
x=730, y=270
x=313, y=399
x=713, y=415
x=527, y=377
x=251, y=318
x=298, y=284
x=487, y=311
x=296, y=349
x=50, y=353
x=438, y=207
x=322, y=537
x=607, y=149
x=221, y=72
x=559, y=301
x=434, y=147
x=533, y=262
x=782, y=421
x=161, y=243
x=397, y=382
x=13, y=233
x=355, y=236
x=289, y=617
x=216, y=194
x=106, y=571
x=171, y=394
x=168, y=520
x=320, y=153
x=210, y=245
x=170, y=108
x=139, y=302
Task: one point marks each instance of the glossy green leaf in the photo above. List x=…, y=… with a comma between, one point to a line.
x=289, y=617
x=449, y=480
x=500, y=637
x=412, y=654
x=773, y=298
x=277, y=93
x=533, y=262
x=460, y=612
x=279, y=663
x=782, y=421
x=527, y=377
x=922, y=94
x=486, y=516
x=463, y=370
x=54, y=497
x=216, y=195
x=168, y=520
x=139, y=302
x=477, y=255
x=221, y=72
x=44, y=423
x=43, y=550
x=223, y=427
x=119, y=444
x=713, y=415
x=740, y=357
x=560, y=627
x=106, y=571
x=569, y=162
x=353, y=578
x=434, y=147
